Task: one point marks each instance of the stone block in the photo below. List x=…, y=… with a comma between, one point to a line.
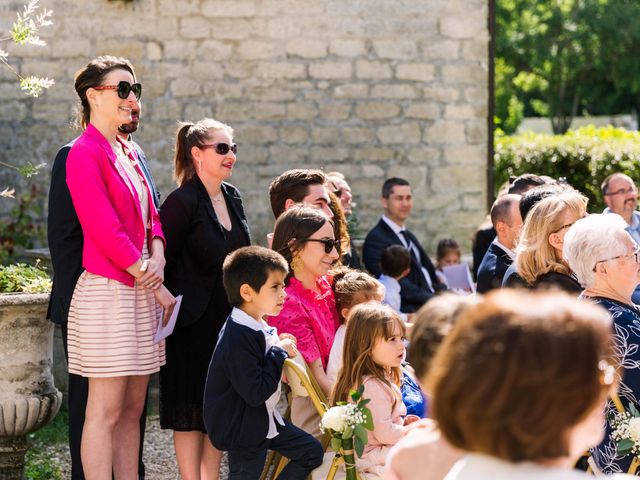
x=16, y=110
x=269, y=94
x=377, y=110
x=195, y=27
x=285, y=154
x=78, y=47
x=185, y=87
x=280, y=70
x=253, y=156
x=473, y=201
x=477, y=131
x=464, y=73
x=222, y=92
x=464, y=112
x=423, y=110
x=395, y=49
x=239, y=69
x=330, y=70
x=307, y=48
x=373, y=154
x=419, y=72
x=476, y=96
x=374, y=70
x=257, y=134
x=241, y=28
x=178, y=8
x=170, y=110
x=257, y=50
x=268, y=111
x=233, y=111
x=154, y=51
x=347, y=48
x=424, y=155
x=204, y=70
x=180, y=49
x=463, y=26
x=320, y=135
x=215, y=50
x=441, y=94
x=131, y=49
x=455, y=178
x=394, y=91
x=476, y=49
x=320, y=156
x=228, y=8
x=435, y=49
x=335, y=111
x=294, y=134
x=355, y=135
x=194, y=112
x=445, y=132
x=351, y=90
x=282, y=27
x=301, y=111
x=407, y=132
x=473, y=156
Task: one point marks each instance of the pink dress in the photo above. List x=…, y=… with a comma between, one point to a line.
x=310, y=317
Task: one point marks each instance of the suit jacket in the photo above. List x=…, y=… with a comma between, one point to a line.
x=492, y=269
x=195, y=245
x=65, y=237
x=481, y=242
x=414, y=290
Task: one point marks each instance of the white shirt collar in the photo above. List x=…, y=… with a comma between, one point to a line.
x=242, y=318
x=393, y=225
x=508, y=251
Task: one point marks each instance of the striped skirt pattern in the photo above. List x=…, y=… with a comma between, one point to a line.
x=111, y=328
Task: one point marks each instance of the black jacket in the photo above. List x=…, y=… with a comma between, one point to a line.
x=195, y=240
x=241, y=378
x=414, y=290
x=492, y=269
x=65, y=236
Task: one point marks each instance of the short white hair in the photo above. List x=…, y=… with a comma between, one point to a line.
x=592, y=239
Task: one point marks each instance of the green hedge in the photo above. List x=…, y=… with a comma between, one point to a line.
x=584, y=157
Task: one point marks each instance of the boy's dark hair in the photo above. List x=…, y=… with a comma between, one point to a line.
x=533, y=196
x=445, y=246
x=389, y=183
x=394, y=260
x=251, y=265
x=293, y=184
x=522, y=183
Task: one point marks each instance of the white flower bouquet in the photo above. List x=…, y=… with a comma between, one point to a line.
x=347, y=423
x=626, y=431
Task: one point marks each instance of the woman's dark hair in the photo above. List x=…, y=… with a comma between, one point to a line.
x=292, y=228
x=92, y=75
x=191, y=135
x=340, y=226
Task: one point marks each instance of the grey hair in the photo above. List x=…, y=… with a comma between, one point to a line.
x=591, y=239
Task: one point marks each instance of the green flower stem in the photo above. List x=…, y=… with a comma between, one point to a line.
x=349, y=458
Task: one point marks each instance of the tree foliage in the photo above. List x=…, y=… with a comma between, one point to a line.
x=560, y=58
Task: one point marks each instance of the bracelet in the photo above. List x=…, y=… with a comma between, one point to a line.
x=144, y=266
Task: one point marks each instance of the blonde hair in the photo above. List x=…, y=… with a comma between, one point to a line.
x=191, y=135
x=535, y=256
x=353, y=287
x=367, y=324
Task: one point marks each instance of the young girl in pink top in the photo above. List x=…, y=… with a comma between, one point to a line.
x=374, y=349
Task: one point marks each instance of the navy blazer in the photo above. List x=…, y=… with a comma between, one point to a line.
x=195, y=245
x=64, y=234
x=414, y=290
x=241, y=378
x=492, y=269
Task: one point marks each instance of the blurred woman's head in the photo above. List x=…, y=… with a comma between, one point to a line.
x=106, y=87
x=539, y=249
x=601, y=253
x=524, y=376
x=204, y=148
x=305, y=238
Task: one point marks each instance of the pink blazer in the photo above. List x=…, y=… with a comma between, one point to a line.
x=108, y=208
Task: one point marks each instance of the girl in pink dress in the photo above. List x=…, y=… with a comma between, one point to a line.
x=374, y=348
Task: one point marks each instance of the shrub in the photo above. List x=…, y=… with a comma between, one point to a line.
x=20, y=277
x=584, y=157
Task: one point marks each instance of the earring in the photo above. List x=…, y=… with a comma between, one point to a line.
x=296, y=264
x=199, y=165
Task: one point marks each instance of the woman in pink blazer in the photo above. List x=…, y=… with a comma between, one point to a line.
x=117, y=302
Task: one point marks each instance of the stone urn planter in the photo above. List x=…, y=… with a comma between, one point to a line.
x=28, y=397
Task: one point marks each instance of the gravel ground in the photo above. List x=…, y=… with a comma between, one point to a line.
x=159, y=456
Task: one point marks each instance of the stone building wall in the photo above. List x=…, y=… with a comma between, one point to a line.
x=373, y=88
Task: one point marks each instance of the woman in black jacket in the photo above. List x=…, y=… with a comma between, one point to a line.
x=204, y=220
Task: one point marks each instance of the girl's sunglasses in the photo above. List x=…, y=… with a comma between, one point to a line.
x=222, y=148
x=329, y=243
x=123, y=89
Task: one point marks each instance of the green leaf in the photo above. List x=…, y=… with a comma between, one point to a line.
x=633, y=410
x=363, y=402
x=368, y=419
x=358, y=446
x=361, y=389
x=624, y=446
x=361, y=433
x=348, y=433
x=354, y=395
x=335, y=444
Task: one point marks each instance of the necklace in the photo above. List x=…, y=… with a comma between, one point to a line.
x=217, y=198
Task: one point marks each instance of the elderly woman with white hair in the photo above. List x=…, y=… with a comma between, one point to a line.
x=605, y=259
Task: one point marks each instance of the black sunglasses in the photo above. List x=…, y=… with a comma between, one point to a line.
x=329, y=243
x=222, y=148
x=123, y=89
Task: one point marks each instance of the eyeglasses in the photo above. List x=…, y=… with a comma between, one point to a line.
x=569, y=225
x=622, y=191
x=222, y=148
x=635, y=254
x=329, y=243
x=123, y=89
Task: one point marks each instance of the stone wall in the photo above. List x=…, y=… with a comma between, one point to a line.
x=373, y=88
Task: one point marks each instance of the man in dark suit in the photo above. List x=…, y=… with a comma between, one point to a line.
x=65, y=245
x=506, y=219
x=422, y=282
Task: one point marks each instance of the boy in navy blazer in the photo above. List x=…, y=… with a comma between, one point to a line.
x=243, y=382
